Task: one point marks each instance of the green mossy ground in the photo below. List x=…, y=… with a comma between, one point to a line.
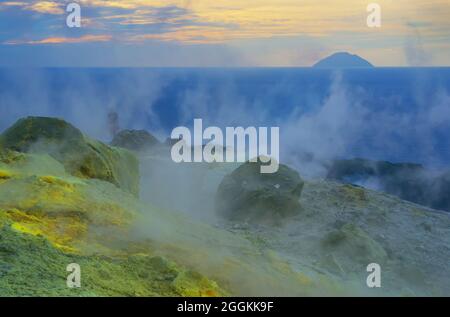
x=52, y=215
x=31, y=266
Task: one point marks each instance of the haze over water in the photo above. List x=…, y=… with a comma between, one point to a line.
x=395, y=114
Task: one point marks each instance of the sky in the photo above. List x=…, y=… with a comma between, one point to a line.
x=222, y=33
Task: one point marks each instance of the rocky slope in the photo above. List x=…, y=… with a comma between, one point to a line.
x=171, y=242
x=411, y=182
x=340, y=229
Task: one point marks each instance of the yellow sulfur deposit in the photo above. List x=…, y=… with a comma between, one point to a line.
x=5, y=175
x=63, y=231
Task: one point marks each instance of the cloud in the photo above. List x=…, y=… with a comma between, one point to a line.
x=204, y=21
x=12, y=4
x=47, y=7
x=64, y=40
x=233, y=22
x=189, y=34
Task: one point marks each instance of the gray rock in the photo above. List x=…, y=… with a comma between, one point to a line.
x=81, y=156
x=248, y=195
x=135, y=140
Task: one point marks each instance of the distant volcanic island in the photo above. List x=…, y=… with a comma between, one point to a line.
x=343, y=60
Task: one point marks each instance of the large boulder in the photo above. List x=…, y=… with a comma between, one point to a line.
x=249, y=195
x=135, y=140
x=81, y=156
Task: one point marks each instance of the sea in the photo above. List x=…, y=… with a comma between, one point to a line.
x=392, y=114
